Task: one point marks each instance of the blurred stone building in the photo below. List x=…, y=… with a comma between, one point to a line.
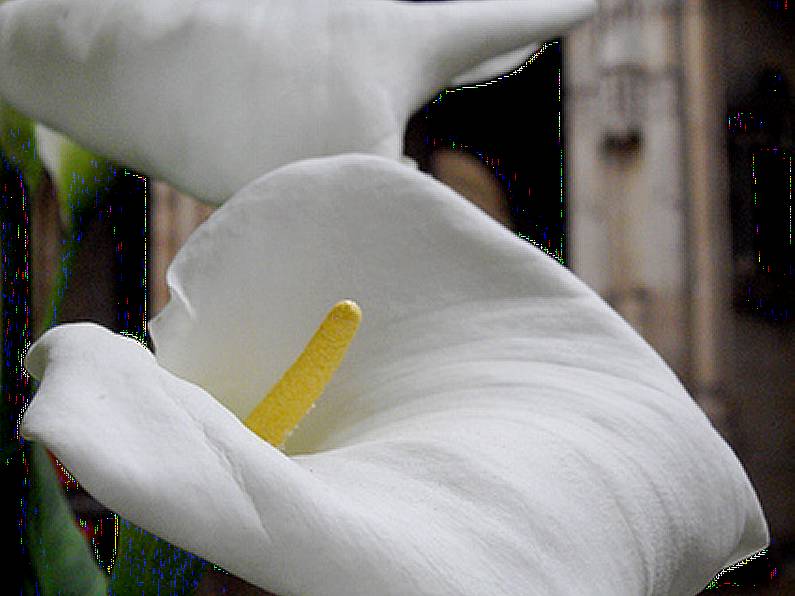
x=679, y=149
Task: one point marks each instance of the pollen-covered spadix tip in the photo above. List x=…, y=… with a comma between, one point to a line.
x=346, y=310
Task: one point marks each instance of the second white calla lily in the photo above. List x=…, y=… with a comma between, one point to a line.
x=495, y=428
x=211, y=94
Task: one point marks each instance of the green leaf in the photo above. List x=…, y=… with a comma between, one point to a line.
x=18, y=144
x=62, y=560
x=146, y=564
x=81, y=178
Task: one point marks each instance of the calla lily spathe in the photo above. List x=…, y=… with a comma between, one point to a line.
x=211, y=94
x=495, y=428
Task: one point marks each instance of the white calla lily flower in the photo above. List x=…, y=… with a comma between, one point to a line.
x=495, y=427
x=211, y=94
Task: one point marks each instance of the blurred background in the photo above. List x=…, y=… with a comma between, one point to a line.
x=650, y=151
x=679, y=145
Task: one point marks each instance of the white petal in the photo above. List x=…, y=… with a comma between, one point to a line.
x=168, y=457
x=209, y=94
x=495, y=67
x=504, y=426
x=49, y=145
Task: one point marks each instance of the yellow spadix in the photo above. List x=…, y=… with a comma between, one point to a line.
x=299, y=388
